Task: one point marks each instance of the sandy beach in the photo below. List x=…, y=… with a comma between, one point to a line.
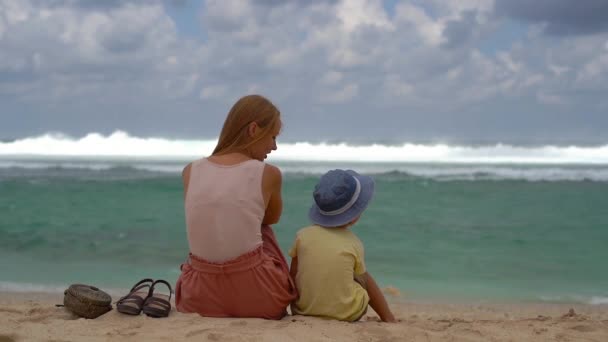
x=34, y=317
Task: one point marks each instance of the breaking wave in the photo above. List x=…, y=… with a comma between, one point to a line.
x=122, y=145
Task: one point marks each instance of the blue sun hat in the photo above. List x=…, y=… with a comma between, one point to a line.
x=340, y=197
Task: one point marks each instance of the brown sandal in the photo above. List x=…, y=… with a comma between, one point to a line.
x=158, y=305
x=133, y=303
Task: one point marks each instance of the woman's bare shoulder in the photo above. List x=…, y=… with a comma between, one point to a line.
x=272, y=172
x=186, y=170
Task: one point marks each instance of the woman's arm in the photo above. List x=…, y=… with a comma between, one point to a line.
x=271, y=188
x=293, y=269
x=377, y=300
x=186, y=178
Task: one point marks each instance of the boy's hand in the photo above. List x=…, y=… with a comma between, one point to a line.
x=391, y=319
x=378, y=319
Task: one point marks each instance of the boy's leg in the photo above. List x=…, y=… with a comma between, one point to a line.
x=361, y=280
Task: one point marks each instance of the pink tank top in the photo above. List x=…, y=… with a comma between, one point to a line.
x=224, y=209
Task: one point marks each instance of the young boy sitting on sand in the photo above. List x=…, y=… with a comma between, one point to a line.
x=327, y=258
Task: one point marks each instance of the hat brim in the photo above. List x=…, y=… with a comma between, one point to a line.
x=365, y=196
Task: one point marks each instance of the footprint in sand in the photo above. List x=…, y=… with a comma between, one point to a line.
x=215, y=337
x=40, y=314
x=377, y=334
x=238, y=323
x=9, y=310
x=583, y=328
x=196, y=332
x=282, y=325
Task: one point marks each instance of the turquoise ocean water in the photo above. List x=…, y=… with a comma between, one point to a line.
x=515, y=232
x=448, y=222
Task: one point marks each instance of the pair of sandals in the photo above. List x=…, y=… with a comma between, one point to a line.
x=143, y=298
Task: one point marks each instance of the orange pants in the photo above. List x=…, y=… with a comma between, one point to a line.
x=256, y=284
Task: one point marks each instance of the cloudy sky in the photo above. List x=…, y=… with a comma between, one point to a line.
x=350, y=70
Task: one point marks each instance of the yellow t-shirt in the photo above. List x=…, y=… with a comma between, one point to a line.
x=328, y=260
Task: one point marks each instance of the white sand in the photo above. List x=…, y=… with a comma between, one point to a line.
x=34, y=317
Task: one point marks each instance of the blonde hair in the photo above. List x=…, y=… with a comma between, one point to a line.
x=251, y=108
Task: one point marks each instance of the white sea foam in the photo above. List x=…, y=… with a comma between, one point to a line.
x=598, y=300
x=49, y=164
x=448, y=172
x=117, y=144
x=7, y=286
x=121, y=152
x=593, y=300
x=15, y=287
x=440, y=172
x=121, y=144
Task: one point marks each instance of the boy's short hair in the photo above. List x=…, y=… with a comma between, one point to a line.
x=340, y=197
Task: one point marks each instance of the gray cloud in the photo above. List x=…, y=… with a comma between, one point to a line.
x=413, y=74
x=298, y=3
x=459, y=32
x=93, y=4
x=562, y=17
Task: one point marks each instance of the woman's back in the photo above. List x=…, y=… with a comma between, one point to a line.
x=224, y=209
x=235, y=267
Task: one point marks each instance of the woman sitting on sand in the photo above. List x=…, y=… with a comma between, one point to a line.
x=235, y=267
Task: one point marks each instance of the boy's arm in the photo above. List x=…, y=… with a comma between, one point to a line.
x=377, y=300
